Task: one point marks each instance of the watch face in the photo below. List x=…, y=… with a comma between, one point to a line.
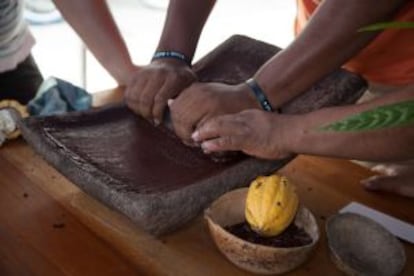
x=41, y=12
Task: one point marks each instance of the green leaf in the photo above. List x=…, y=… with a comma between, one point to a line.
x=387, y=116
x=387, y=25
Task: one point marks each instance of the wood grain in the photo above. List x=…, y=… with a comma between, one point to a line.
x=98, y=240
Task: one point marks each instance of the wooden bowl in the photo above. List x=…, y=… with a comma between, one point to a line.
x=360, y=246
x=229, y=210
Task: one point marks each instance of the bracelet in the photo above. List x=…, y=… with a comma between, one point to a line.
x=171, y=54
x=260, y=95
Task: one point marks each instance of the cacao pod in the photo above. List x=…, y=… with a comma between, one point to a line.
x=271, y=204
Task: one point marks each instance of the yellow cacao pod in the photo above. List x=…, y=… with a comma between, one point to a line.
x=271, y=205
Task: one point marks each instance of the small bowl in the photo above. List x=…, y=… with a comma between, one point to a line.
x=361, y=246
x=229, y=210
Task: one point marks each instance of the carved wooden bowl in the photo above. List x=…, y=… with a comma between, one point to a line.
x=229, y=210
x=360, y=246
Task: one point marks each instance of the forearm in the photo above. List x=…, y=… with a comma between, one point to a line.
x=183, y=25
x=305, y=135
x=93, y=22
x=329, y=40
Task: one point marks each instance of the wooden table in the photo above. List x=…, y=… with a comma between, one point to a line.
x=48, y=226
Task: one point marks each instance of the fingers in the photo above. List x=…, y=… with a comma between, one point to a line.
x=391, y=169
x=185, y=118
x=160, y=102
x=131, y=92
x=384, y=169
x=169, y=90
x=146, y=99
x=222, y=133
x=398, y=184
x=198, y=103
x=224, y=143
x=149, y=90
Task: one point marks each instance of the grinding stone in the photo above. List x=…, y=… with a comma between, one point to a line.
x=146, y=172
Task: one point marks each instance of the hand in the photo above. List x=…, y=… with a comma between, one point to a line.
x=395, y=178
x=202, y=101
x=153, y=85
x=256, y=133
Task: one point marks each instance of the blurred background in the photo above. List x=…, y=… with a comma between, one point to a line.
x=59, y=52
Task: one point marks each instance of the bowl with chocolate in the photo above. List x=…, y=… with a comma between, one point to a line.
x=262, y=230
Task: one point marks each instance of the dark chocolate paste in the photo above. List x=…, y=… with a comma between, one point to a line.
x=128, y=148
x=293, y=236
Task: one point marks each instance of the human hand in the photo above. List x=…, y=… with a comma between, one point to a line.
x=255, y=132
x=149, y=89
x=394, y=178
x=202, y=101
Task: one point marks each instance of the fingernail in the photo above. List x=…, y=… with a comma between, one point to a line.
x=206, y=146
x=157, y=122
x=205, y=150
x=196, y=136
x=368, y=184
x=170, y=102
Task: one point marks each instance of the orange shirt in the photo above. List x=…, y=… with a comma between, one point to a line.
x=388, y=59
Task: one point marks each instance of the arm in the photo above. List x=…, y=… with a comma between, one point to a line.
x=183, y=26
x=329, y=40
x=317, y=135
x=274, y=136
x=163, y=79
x=93, y=22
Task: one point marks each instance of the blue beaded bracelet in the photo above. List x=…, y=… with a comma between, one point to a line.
x=172, y=54
x=260, y=95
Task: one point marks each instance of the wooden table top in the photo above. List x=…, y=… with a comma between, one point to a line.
x=48, y=226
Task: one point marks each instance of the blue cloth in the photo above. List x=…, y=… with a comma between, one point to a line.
x=56, y=96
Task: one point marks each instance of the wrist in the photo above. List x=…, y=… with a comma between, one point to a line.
x=260, y=95
x=290, y=133
x=171, y=62
x=124, y=74
x=171, y=56
x=249, y=100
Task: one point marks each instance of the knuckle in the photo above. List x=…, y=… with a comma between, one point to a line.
x=227, y=141
x=187, y=74
x=136, y=77
x=145, y=100
x=143, y=75
x=159, y=74
x=245, y=129
x=173, y=77
x=160, y=99
x=216, y=121
x=132, y=91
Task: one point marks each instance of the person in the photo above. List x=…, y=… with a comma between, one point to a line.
x=327, y=40
x=19, y=75
x=92, y=20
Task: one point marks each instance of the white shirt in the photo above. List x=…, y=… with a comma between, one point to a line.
x=16, y=41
